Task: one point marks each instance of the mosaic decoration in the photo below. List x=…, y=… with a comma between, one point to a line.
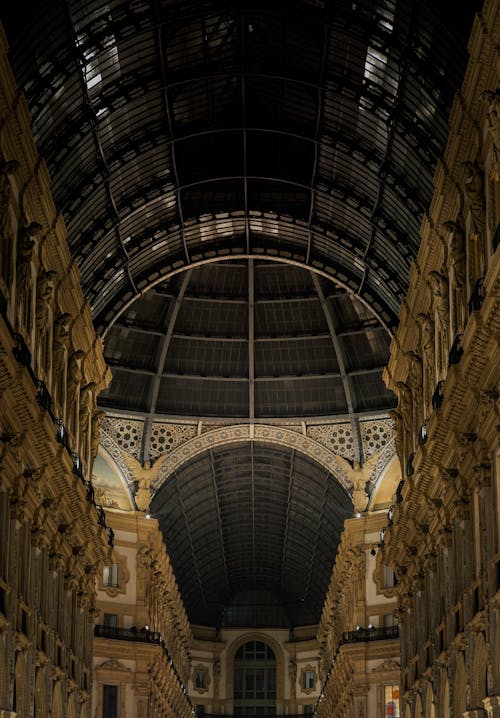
x=126, y=433
x=376, y=434
x=336, y=437
x=165, y=437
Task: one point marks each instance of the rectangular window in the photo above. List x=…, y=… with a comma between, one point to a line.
x=110, y=620
x=388, y=577
x=110, y=575
x=308, y=680
x=4, y=534
x=391, y=700
x=200, y=678
x=110, y=702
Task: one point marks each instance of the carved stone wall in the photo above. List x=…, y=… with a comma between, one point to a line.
x=53, y=536
x=442, y=536
x=354, y=632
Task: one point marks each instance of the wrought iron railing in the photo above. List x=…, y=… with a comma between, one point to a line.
x=379, y=633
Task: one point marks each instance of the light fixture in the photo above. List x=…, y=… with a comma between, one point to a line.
x=358, y=515
x=148, y=515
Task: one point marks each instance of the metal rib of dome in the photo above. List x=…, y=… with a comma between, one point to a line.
x=179, y=131
x=247, y=340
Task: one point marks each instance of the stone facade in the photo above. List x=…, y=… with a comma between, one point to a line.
x=443, y=532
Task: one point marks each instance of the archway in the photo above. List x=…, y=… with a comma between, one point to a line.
x=254, y=680
x=430, y=704
x=479, y=687
x=41, y=709
x=459, y=688
x=444, y=695
x=57, y=703
x=21, y=688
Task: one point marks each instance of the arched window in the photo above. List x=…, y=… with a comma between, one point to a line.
x=254, y=680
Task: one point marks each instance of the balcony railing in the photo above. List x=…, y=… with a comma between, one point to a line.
x=127, y=634
x=381, y=633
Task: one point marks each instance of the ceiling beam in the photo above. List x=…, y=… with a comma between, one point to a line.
x=348, y=389
x=160, y=365
x=251, y=338
x=219, y=520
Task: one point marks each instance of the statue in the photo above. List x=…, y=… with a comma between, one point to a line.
x=59, y=346
x=86, y=407
x=441, y=306
x=415, y=382
x=75, y=376
x=359, y=476
x=405, y=408
x=7, y=169
x=26, y=241
x=492, y=101
x=456, y=247
x=97, y=419
x=44, y=295
x=474, y=191
x=144, y=474
x=428, y=343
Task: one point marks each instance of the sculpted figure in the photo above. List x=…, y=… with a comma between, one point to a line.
x=474, y=191
x=86, y=406
x=405, y=408
x=456, y=246
x=359, y=476
x=97, y=419
x=427, y=338
x=457, y=252
x=441, y=307
x=7, y=169
x=44, y=296
x=144, y=474
x=26, y=241
x=415, y=382
x=75, y=376
x=492, y=102
x=59, y=346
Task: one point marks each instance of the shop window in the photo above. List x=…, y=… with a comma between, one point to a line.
x=109, y=701
x=391, y=700
x=308, y=709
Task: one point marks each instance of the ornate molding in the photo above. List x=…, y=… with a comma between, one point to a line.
x=242, y=433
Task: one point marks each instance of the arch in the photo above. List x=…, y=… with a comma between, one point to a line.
x=110, y=453
x=388, y=479
x=479, y=687
x=444, y=695
x=71, y=709
x=21, y=687
x=418, y=710
x=241, y=433
x=459, y=687
x=41, y=707
x=343, y=268
x=429, y=702
x=57, y=702
x=278, y=653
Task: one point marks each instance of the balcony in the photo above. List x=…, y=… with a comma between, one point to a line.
x=127, y=634
x=361, y=635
